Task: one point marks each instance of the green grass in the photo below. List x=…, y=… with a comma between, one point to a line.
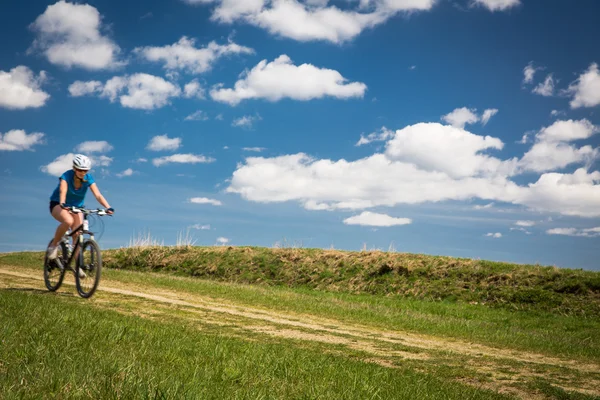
x=557, y=393
x=542, y=332
x=572, y=335
x=56, y=346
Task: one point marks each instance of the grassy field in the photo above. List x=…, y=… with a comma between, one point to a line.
x=67, y=348
x=295, y=323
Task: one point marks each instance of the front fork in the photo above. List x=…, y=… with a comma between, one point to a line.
x=81, y=240
x=80, y=247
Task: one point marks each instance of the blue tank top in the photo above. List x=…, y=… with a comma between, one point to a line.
x=75, y=197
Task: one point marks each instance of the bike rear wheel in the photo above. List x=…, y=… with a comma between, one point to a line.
x=90, y=262
x=54, y=270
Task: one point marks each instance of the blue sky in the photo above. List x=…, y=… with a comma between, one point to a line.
x=452, y=127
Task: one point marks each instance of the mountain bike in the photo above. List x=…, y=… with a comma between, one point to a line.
x=88, y=263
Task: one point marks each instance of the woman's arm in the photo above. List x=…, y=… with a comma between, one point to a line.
x=98, y=195
x=62, y=191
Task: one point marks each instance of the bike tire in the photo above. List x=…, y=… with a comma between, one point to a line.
x=92, y=267
x=54, y=274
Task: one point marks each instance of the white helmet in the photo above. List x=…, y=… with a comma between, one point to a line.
x=82, y=162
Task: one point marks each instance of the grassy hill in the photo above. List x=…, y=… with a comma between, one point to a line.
x=531, y=287
x=247, y=322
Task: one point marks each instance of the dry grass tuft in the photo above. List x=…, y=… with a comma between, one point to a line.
x=144, y=239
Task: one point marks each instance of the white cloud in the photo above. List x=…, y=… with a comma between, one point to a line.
x=230, y=10
x=246, y=121
x=141, y=160
x=551, y=150
x=525, y=223
x=141, y=91
x=193, y=89
x=368, y=218
x=69, y=35
x=586, y=89
x=148, y=92
x=313, y=19
x=488, y=114
x=452, y=151
x=59, y=165
x=282, y=79
x=127, y=172
x=525, y=137
x=163, y=142
x=562, y=231
x=255, y=149
x=486, y=206
x=101, y=161
x=496, y=235
x=222, y=240
x=20, y=89
x=182, y=159
x=197, y=116
x=463, y=116
x=548, y=156
x=101, y=146
x=528, y=73
x=316, y=206
x=568, y=130
x=460, y=117
x=205, y=200
x=497, y=5
x=591, y=232
x=425, y=162
x=80, y=88
x=364, y=183
x=545, y=88
x=183, y=55
x=200, y=227
x=19, y=140
x=576, y=194
x=294, y=20
x=381, y=136
x=113, y=87
x=65, y=162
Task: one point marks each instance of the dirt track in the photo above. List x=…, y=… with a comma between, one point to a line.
x=504, y=370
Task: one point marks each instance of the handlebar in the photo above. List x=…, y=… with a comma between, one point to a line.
x=79, y=210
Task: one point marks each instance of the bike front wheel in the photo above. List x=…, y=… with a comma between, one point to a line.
x=54, y=270
x=89, y=266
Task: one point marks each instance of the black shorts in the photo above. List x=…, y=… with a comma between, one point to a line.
x=53, y=204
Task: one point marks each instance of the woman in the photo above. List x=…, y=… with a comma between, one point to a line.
x=71, y=190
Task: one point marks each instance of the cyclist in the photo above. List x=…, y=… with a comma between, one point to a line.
x=71, y=190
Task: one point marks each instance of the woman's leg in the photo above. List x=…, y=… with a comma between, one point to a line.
x=65, y=218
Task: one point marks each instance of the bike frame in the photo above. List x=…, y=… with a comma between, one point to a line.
x=79, y=244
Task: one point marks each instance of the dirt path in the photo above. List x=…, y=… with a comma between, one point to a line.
x=504, y=370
